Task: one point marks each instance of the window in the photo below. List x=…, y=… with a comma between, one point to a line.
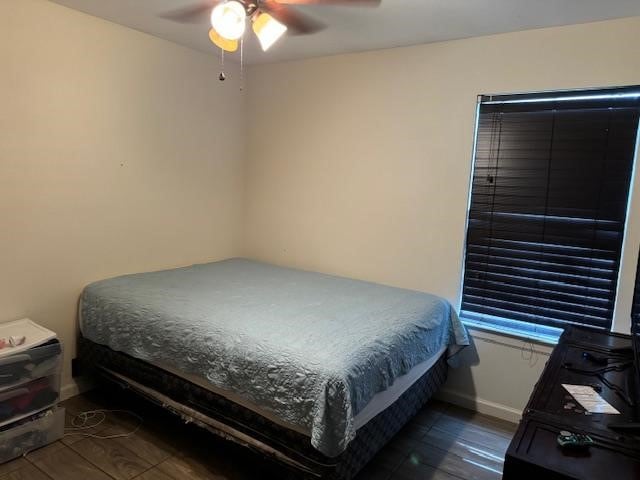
x=548, y=206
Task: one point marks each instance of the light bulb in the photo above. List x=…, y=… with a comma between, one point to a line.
x=268, y=30
x=228, y=19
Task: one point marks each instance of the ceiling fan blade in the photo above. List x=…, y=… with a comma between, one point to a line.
x=296, y=22
x=354, y=3
x=198, y=13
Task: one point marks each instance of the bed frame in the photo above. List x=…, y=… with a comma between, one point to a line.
x=238, y=424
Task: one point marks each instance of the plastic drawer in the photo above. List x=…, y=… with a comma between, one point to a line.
x=28, y=398
x=32, y=433
x=24, y=367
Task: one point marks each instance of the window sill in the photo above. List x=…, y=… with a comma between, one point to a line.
x=513, y=329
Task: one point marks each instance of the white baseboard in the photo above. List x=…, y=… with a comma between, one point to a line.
x=480, y=405
x=74, y=387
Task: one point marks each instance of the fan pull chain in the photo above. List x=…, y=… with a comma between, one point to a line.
x=222, y=76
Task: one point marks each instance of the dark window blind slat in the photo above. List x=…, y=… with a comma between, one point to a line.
x=583, y=295
x=536, y=265
x=539, y=285
x=548, y=210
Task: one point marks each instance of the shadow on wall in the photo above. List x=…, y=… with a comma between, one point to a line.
x=467, y=357
x=462, y=362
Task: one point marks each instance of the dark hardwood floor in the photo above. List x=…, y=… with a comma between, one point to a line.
x=442, y=443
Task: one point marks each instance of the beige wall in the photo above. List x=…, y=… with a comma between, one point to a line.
x=119, y=152
x=359, y=164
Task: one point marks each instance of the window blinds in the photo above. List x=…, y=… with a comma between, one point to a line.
x=548, y=205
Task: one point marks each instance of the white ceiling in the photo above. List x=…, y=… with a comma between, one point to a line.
x=395, y=23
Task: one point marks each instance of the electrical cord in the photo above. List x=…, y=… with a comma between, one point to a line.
x=599, y=374
x=83, y=421
x=604, y=360
x=620, y=391
x=619, y=367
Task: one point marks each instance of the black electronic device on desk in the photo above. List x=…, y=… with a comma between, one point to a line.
x=558, y=438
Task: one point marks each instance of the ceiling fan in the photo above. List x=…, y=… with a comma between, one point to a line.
x=270, y=18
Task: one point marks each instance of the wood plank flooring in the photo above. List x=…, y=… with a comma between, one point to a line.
x=443, y=442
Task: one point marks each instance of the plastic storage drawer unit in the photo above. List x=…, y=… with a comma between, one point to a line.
x=32, y=433
x=29, y=381
x=37, y=362
x=29, y=398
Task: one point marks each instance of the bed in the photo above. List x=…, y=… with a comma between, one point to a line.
x=313, y=370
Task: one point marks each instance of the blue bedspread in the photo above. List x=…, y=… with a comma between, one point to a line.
x=312, y=349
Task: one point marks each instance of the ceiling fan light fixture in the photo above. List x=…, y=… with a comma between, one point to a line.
x=224, y=43
x=228, y=19
x=268, y=30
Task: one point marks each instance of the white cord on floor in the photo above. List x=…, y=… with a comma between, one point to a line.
x=82, y=421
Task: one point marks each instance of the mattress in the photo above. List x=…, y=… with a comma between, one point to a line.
x=311, y=349
x=379, y=402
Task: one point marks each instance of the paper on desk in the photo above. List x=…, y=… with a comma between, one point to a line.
x=590, y=400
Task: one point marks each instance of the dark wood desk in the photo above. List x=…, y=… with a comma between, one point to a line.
x=534, y=452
